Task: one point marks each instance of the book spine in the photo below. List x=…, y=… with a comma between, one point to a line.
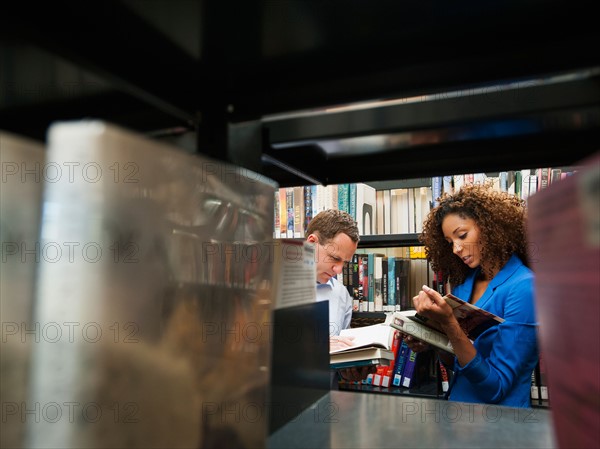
x=399, y=364
x=378, y=283
x=371, y=282
x=343, y=197
x=289, y=201
x=282, y=212
x=276, y=210
x=409, y=369
x=298, y=212
x=444, y=378
x=391, y=284
x=308, y=206
x=387, y=212
x=447, y=185
x=352, y=201
x=356, y=286
x=388, y=372
x=384, y=284
x=315, y=200
x=436, y=189
x=364, y=282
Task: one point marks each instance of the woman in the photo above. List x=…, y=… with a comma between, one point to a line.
x=476, y=238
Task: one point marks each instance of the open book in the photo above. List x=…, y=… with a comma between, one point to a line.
x=372, y=345
x=473, y=320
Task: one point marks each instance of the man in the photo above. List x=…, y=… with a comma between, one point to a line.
x=335, y=236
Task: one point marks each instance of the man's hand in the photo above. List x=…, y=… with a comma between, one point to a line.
x=358, y=373
x=338, y=342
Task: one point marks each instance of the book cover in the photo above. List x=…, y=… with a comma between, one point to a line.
x=283, y=213
x=343, y=200
x=385, y=284
x=156, y=217
x=400, y=363
x=564, y=224
x=289, y=201
x=356, y=285
x=363, y=276
x=379, y=214
x=404, y=298
x=365, y=209
x=23, y=162
x=388, y=371
x=409, y=369
x=298, y=212
x=361, y=357
x=436, y=190
x=387, y=212
x=352, y=200
x=277, y=225
x=444, y=378
x=392, y=284
x=308, y=206
x=378, y=282
x=471, y=319
x=448, y=184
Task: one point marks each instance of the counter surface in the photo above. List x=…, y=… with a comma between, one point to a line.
x=360, y=420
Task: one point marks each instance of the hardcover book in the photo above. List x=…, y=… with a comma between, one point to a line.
x=361, y=357
x=473, y=320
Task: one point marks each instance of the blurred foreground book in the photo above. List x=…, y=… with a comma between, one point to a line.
x=22, y=162
x=158, y=296
x=564, y=237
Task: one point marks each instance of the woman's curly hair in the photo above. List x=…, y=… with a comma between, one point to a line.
x=501, y=219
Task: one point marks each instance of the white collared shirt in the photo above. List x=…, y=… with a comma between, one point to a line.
x=340, y=304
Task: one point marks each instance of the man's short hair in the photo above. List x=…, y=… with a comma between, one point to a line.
x=329, y=223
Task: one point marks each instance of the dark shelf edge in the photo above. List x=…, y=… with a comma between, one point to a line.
x=389, y=240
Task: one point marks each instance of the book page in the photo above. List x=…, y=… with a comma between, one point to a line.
x=376, y=335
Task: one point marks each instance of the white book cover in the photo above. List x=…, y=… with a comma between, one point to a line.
x=447, y=185
x=379, y=213
x=412, y=210
x=404, y=211
x=395, y=210
x=365, y=209
x=387, y=212
x=458, y=181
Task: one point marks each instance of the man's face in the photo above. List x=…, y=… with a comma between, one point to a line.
x=332, y=255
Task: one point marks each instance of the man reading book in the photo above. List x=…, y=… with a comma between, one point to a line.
x=335, y=236
x=476, y=238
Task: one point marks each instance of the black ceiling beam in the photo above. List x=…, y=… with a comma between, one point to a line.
x=571, y=91
x=109, y=40
x=423, y=50
x=447, y=158
x=33, y=120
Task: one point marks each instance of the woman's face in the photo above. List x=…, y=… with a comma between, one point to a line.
x=464, y=236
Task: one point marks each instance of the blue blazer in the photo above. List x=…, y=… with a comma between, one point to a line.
x=507, y=354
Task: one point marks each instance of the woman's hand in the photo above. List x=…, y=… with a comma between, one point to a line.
x=430, y=304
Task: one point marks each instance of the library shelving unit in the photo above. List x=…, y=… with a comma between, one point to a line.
x=319, y=92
